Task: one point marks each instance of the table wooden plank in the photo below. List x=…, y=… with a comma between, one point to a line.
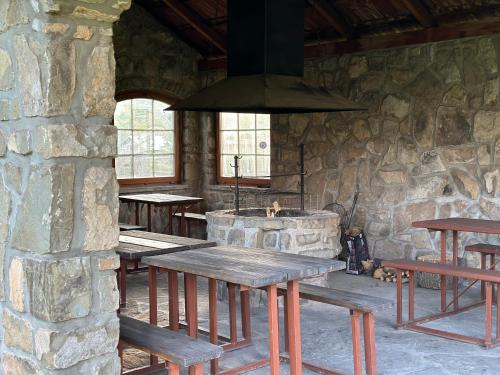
x=135, y=252
x=461, y=224
x=192, y=243
x=160, y=199
x=148, y=242
x=242, y=266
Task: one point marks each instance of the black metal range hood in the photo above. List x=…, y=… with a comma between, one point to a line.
x=265, y=65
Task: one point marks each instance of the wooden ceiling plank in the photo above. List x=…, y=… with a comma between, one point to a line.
x=420, y=12
x=328, y=12
x=197, y=22
x=430, y=35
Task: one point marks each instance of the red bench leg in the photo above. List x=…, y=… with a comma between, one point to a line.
x=173, y=369
x=214, y=337
x=399, y=297
x=356, y=342
x=369, y=337
x=123, y=283
x=173, y=300
x=246, y=329
x=483, y=267
x=233, y=329
x=497, y=337
x=274, y=344
x=489, y=297
x=411, y=295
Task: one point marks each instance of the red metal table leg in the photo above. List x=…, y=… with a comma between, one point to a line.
x=483, y=267
x=489, y=298
x=173, y=369
x=369, y=338
x=153, y=303
x=182, y=225
x=212, y=317
x=123, y=283
x=443, y=278
x=233, y=329
x=399, y=297
x=294, y=336
x=356, y=342
x=455, y=263
x=246, y=327
x=191, y=293
x=173, y=300
x=274, y=344
x=411, y=295
x=497, y=337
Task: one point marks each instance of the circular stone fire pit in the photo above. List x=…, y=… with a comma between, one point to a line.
x=309, y=232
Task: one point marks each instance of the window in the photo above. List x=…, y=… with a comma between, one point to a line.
x=248, y=136
x=147, y=142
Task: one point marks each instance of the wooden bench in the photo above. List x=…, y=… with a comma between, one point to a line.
x=485, y=250
x=175, y=348
x=126, y=227
x=359, y=305
x=489, y=277
x=191, y=217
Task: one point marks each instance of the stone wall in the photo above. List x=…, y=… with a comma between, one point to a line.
x=428, y=145
x=58, y=192
x=150, y=58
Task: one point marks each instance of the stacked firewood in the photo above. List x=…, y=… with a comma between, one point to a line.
x=374, y=268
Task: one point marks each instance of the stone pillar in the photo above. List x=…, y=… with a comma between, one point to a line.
x=58, y=192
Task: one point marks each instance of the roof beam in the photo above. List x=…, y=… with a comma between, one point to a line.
x=430, y=35
x=329, y=13
x=197, y=22
x=420, y=12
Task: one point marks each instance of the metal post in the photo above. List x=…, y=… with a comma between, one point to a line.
x=237, y=189
x=302, y=177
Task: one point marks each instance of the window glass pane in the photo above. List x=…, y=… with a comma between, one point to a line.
x=247, y=166
x=226, y=169
x=143, y=166
x=263, y=122
x=229, y=121
x=229, y=142
x=164, y=166
x=246, y=121
x=124, y=142
x=143, y=142
x=164, y=142
x=142, y=114
x=163, y=120
x=123, y=115
x=263, y=142
x=247, y=142
x=263, y=165
x=123, y=166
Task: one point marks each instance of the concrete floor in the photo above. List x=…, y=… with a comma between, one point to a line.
x=326, y=332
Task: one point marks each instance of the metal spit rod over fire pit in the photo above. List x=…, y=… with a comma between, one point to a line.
x=302, y=173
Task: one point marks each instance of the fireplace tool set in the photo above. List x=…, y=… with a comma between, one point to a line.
x=302, y=173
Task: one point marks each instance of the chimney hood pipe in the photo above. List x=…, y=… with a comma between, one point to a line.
x=265, y=65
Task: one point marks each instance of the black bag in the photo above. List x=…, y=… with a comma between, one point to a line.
x=358, y=251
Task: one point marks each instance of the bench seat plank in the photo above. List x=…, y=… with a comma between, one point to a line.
x=484, y=248
x=192, y=215
x=192, y=243
x=131, y=251
x=342, y=298
x=126, y=227
x=172, y=346
x=444, y=269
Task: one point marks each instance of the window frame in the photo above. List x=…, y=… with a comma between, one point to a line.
x=178, y=121
x=221, y=180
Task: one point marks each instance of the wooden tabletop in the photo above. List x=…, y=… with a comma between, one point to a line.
x=245, y=266
x=191, y=243
x=160, y=199
x=461, y=224
x=132, y=251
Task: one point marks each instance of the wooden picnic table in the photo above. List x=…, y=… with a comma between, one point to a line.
x=248, y=268
x=456, y=225
x=137, y=244
x=162, y=200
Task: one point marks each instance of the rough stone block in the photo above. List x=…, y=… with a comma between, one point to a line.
x=20, y=142
x=6, y=73
x=395, y=107
x=466, y=184
x=61, y=350
x=17, y=284
x=107, y=293
x=13, y=176
x=404, y=216
x=12, y=13
x=46, y=225
x=17, y=332
x=83, y=32
x=15, y=365
x=486, y=126
x=3, y=144
x=55, y=141
x=100, y=209
x=109, y=263
x=59, y=290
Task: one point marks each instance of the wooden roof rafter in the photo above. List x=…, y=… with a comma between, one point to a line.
x=330, y=14
x=420, y=12
x=198, y=23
